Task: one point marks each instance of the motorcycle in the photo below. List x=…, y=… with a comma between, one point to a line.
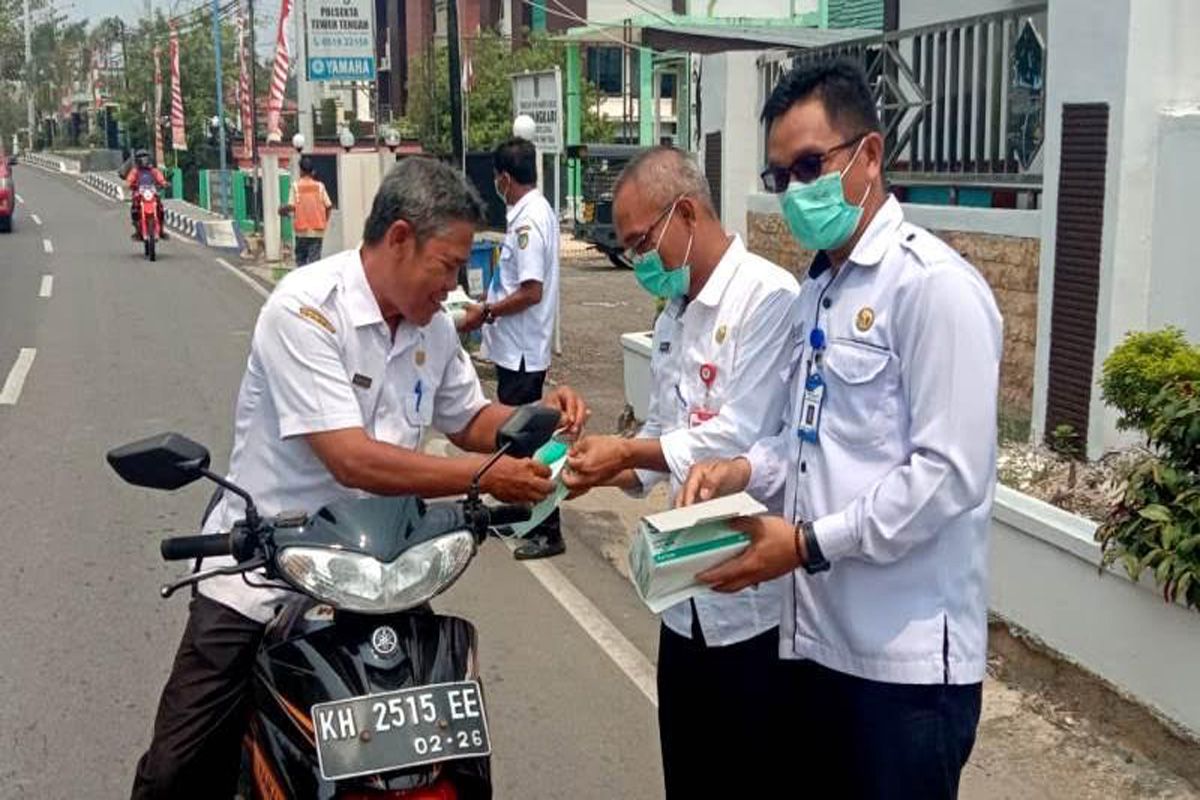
x=147, y=217
x=359, y=690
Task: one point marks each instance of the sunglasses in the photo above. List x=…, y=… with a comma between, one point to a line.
x=806, y=168
x=638, y=247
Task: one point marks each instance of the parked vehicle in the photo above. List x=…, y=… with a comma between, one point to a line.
x=359, y=690
x=600, y=164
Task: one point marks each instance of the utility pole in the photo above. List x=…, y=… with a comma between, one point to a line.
x=29, y=113
x=254, y=164
x=216, y=26
x=456, y=115
x=304, y=123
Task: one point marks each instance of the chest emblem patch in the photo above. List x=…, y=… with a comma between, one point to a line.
x=722, y=332
x=865, y=319
x=420, y=358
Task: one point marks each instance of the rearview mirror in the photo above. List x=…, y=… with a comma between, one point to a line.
x=166, y=461
x=527, y=429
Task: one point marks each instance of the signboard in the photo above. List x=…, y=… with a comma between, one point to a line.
x=341, y=40
x=539, y=94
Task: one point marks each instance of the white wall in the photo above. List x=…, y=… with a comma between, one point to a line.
x=1148, y=66
x=729, y=103
x=617, y=10
x=1175, y=273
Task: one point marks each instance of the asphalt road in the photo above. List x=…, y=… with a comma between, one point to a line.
x=123, y=348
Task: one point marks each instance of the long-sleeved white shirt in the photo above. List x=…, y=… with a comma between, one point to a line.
x=740, y=323
x=899, y=483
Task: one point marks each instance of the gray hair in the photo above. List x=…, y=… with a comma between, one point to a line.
x=427, y=194
x=664, y=173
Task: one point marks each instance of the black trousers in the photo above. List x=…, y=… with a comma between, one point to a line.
x=516, y=388
x=719, y=718
x=203, y=710
x=860, y=739
x=308, y=250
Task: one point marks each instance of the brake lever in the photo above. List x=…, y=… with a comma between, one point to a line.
x=168, y=589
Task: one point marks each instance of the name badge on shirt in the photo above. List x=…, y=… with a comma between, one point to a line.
x=810, y=408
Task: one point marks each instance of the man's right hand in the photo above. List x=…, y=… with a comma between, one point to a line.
x=710, y=479
x=517, y=480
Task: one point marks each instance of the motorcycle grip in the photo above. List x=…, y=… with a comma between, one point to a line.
x=179, y=548
x=508, y=515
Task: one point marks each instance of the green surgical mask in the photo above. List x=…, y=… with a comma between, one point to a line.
x=817, y=212
x=654, y=276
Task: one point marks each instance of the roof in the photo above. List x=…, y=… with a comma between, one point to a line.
x=718, y=34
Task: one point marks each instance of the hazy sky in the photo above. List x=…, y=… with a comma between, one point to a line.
x=266, y=12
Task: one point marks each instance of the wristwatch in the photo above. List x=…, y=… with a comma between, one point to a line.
x=815, y=561
x=489, y=316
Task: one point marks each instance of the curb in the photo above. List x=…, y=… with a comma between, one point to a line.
x=106, y=186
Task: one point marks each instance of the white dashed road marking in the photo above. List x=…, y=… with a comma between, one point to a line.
x=16, y=377
x=47, y=286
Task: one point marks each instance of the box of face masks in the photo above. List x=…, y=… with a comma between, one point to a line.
x=671, y=547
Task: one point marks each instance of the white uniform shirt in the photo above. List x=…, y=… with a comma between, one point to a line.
x=741, y=323
x=899, y=484
x=529, y=253
x=323, y=358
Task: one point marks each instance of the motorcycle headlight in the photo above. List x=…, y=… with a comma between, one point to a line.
x=357, y=582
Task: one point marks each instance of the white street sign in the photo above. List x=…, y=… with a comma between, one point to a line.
x=539, y=94
x=341, y=40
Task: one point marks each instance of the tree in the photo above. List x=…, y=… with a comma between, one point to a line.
x=489, y=102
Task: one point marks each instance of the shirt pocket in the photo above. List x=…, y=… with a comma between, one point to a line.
x=418, y=408
x=861, y=382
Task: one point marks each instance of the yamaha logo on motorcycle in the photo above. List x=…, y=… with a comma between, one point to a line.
x=384, y=640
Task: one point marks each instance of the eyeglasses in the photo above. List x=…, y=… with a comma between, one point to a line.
x=636, y=249
x=806, y=168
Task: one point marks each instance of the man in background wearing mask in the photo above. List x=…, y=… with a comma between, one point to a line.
x=518, y=316
x=888, y=460
x=719, y=364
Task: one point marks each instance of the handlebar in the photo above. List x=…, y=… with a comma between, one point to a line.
x=179, y=548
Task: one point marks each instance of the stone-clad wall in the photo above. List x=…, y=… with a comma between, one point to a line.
x=1009, y=263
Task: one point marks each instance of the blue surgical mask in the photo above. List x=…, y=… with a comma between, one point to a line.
x=817, y=212
x=653, y=274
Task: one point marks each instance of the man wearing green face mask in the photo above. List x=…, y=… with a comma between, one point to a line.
x=887, y=460
x=719, y=361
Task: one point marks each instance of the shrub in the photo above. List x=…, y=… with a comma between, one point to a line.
x=1141, y=367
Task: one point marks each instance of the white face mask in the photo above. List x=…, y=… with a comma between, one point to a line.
x=501, y=192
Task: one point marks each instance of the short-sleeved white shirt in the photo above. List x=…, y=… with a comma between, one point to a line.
x=529, y=253
x=323, y=358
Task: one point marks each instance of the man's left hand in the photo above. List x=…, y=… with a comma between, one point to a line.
x=472, y=318
x=772, y=552
x=575, y=412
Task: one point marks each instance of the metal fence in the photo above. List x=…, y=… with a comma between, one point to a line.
x=960, y=102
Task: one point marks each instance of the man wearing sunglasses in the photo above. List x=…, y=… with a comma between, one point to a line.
x=887, y=461
x=719, y=364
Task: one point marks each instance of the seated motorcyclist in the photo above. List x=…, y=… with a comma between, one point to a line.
x=144, y=173
x=351, y=361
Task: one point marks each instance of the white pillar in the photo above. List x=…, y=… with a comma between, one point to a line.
x=304, y=99
x=358, y=180
x=272, y=227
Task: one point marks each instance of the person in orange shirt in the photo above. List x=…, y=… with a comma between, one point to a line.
x=144, y=173
x=310, y=204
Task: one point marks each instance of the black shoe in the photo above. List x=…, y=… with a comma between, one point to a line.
x=135, y=236
x=163, y=234
x=540, y=546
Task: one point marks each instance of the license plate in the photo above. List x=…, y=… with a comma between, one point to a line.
x=396, y=730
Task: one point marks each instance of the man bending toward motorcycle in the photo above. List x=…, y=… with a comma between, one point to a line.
x=144, y=173
x=351, y=361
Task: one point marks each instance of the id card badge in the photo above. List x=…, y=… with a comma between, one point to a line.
x=698, y=416
x=810, y=408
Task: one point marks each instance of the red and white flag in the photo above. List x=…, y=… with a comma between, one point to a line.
x=178, y=134
x=245, y=107
x=279, y=75
x=158, y=133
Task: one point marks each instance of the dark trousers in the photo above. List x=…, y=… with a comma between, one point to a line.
x=203, y=709
x=865, y=740
x=719, y=719
x=308, y=250
x=516, y=388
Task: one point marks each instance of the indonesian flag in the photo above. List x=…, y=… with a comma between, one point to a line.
x=158, y=89
x=245, y=107
x=178, y=135
x=279, y=75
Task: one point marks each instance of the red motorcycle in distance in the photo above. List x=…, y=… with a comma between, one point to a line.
x=147, y=217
